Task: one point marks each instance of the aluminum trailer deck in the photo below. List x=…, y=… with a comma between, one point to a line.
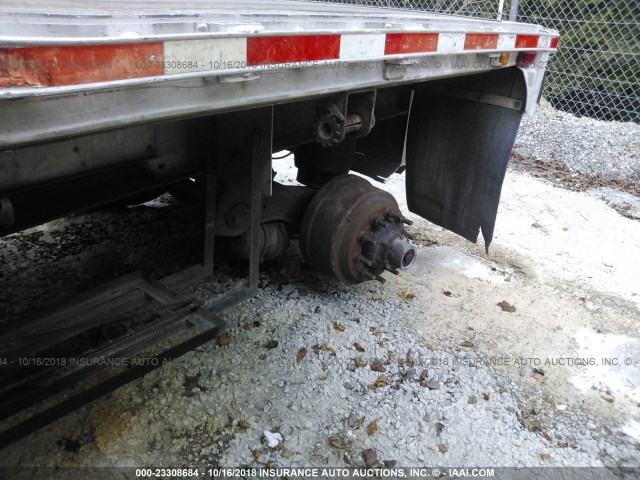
x=102, y=102
x=145, y=61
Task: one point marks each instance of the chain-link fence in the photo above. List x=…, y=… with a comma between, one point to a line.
x=471, y=8
x=596, y=71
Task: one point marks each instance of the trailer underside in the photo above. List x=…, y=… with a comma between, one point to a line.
x=118, y=102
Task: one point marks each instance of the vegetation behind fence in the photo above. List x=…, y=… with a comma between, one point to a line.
x=596, y=71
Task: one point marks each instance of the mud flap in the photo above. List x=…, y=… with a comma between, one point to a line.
x=457, y=150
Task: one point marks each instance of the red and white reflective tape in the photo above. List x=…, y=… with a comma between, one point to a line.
x=73, y=65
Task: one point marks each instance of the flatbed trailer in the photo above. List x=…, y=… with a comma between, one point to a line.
x=119, y=101
x=102, y=102
x=239, y=54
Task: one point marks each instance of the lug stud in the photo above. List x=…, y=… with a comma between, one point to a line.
x=389, y=268
x=379, y=222
x=408, y=235
x=363, y=238
x=398, y=218
x=362, y=259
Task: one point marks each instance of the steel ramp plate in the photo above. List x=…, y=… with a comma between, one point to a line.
x=36, y=370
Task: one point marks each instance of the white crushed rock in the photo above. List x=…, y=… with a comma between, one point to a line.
x=300, y=407
x=273, y=439
x=309, y=403
x=609, y=150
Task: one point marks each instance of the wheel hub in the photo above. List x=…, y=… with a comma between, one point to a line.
x=354, y=232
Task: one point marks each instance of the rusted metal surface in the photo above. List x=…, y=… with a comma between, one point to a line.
x=149, y=308
x=273, y=239
x=351, y=231
x=75, y=402
x=353, y=123
x=168, y=315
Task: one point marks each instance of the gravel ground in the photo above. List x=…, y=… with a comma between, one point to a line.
x=609, y=150
x=466, y=359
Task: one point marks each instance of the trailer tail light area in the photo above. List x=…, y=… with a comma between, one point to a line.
x=526, y=59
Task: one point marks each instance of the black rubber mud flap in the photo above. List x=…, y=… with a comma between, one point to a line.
x=458, y=147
